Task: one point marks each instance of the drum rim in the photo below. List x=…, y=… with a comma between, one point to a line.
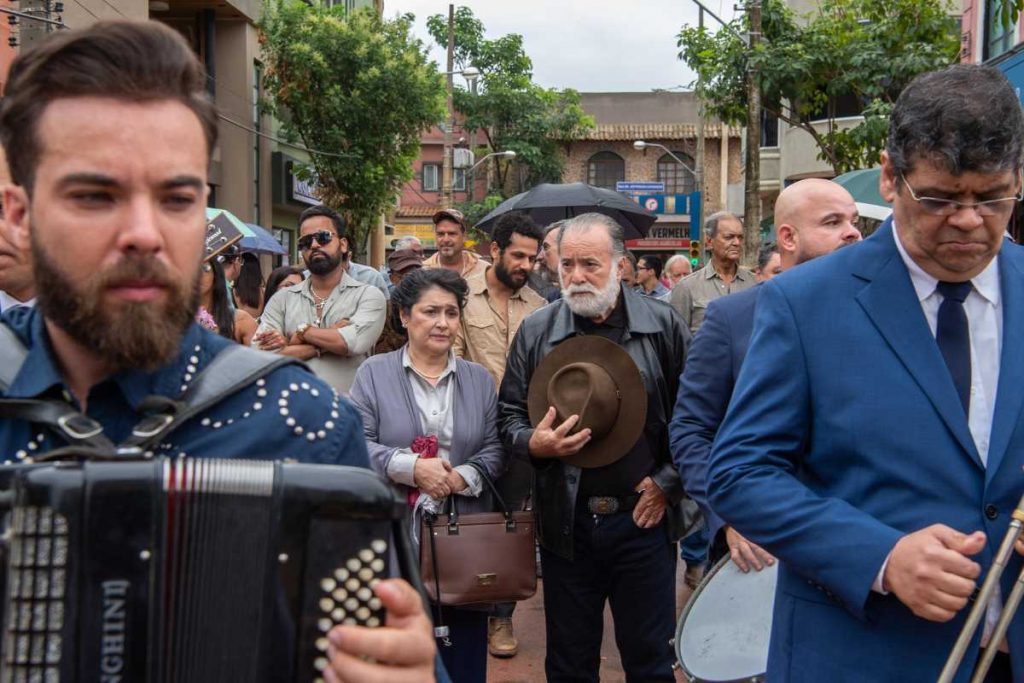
x=690, y=676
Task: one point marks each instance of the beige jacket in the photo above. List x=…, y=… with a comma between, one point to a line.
x=483, y=336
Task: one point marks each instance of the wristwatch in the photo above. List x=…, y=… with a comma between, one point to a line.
x=301, y=329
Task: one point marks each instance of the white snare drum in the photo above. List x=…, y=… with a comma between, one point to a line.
x=722, y=635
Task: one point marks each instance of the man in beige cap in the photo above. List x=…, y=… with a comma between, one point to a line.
x=450, y=237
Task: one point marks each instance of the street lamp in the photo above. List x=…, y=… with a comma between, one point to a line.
x=508, y=154
x=640, y=145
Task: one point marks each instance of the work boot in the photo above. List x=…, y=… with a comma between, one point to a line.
x=501, y=640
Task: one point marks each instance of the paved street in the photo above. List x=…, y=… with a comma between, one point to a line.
x=528, y=665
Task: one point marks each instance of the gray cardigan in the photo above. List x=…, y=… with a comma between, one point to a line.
x=383, y=396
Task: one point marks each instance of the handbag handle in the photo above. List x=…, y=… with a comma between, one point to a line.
x=453, y=510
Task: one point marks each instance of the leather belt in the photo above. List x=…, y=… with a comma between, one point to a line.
x=609, y=505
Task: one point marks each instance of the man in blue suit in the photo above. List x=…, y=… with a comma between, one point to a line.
x=813, y=217
x=870, y=444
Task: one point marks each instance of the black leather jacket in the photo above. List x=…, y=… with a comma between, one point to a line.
x=657, y=340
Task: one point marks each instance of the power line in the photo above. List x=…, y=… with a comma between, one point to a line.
x=30, y=17
x=278, y=140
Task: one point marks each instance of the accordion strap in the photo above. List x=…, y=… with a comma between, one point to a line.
x=231, y=370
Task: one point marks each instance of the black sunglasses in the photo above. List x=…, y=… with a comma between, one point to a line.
x=322, y=237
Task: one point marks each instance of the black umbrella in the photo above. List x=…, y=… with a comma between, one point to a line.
x=552, y=202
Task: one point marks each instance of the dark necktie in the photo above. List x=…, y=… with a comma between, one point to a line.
x=954, y=337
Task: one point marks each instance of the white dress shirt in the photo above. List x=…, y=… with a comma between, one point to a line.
x=983, y=307
x=8, y=301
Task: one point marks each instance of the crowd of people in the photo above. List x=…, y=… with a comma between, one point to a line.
x=849, y=415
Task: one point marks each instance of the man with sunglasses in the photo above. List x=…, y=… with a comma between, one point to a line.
x=331, y=320
x=872, y=443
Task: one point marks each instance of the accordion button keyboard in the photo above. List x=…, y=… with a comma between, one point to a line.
x=328, y=584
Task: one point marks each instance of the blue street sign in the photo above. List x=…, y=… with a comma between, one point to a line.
x=647, y=188
x=677, y=205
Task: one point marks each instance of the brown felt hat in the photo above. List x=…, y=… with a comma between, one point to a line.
x=596, y=379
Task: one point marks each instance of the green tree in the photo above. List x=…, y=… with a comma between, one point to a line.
x=1008, y=11
x=864, y=50
x=356, y=87
x=511, y=111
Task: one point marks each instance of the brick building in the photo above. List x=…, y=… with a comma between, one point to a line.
x=607, y=156
x=421, y=196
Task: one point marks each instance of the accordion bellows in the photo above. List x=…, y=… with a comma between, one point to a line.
x=175, y=570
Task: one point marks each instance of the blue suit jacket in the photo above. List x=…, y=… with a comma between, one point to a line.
x=712, y=366
x=844, y=434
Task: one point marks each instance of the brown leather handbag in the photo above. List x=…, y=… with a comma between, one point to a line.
x=481, y=557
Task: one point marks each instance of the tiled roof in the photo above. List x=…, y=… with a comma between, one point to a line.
x=416, y=211
x=655, y=131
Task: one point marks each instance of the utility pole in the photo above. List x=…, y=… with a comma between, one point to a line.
x=699, y=175
x=752, y=175
x=752, y=170
x=449, y=124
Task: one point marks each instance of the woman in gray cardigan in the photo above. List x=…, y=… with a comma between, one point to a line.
x=426, y=414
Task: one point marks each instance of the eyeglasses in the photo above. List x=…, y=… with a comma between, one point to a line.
x=322, y=237
x=948, y=207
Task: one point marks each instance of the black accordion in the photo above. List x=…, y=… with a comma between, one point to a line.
x=190, y=570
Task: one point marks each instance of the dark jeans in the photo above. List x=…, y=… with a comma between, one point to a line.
x=634, y=570
x=693, y=549
x=466, y=658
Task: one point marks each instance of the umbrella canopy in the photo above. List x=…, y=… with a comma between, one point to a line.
x=261, y=241
x=552, y=202
x=254, y=238
x=863, y=185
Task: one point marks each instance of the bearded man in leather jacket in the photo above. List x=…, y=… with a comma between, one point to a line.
x=606, y=533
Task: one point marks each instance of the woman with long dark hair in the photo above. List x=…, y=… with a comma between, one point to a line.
x=279, y=278
x=249, y=286
x=215, y=313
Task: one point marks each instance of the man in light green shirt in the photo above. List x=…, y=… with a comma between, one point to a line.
x=722, y=275
x=330, y=320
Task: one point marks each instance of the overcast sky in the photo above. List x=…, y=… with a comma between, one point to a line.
x=590, y=45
